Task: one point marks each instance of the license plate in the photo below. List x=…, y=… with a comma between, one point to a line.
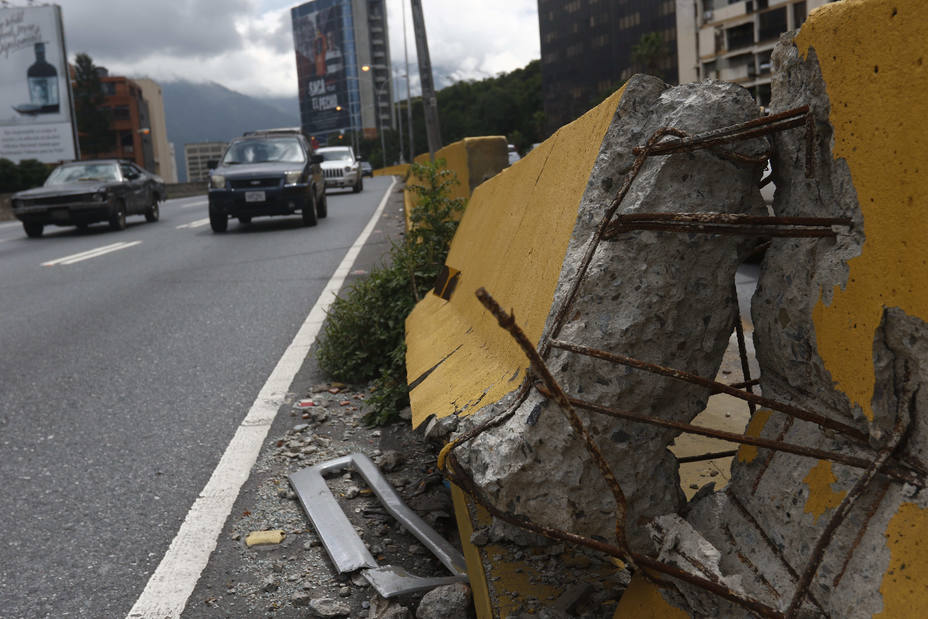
x=254, y=196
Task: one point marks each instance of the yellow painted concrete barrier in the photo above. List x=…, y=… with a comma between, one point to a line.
x=401, y=170
x=512, y=239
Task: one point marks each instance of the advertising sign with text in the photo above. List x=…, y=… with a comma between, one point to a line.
x=321, y=54
x=35, y=92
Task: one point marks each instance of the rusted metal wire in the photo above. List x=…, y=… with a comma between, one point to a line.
x=733, y=133
x=718, y=387
x=896, y=472
x=903, y=417
x=743, y=354
x=727, y=223
x=617, y=228
x=508, y=322
x=871, y=512
x=706, y=456
x=457, y=475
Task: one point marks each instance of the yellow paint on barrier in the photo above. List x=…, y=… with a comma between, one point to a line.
x=401, y=170
x=873, y=59
x=512, y=241
x=643, y=600
x=478, y=578
x=821, y=495
x=747, y=453
x=904, y=583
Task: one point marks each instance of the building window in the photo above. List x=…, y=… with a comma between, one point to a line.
x=630, y=21
x=121, y=112
x=575, y=50
x=740, y=36
x=125, y=141
x=799, y=14
x=772, y=24
x=109, y=89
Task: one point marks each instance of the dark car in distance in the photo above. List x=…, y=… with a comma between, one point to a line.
x=263, y=174
x=85, y=192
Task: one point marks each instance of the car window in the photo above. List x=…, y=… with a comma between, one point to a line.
x=335, y=154
x=83, y=172
x=286, y=150
x=127, y=171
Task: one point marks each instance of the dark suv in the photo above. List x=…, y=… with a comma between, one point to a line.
x=266, y=173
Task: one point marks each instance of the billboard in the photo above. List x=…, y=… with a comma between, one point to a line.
x=35, y=90
x=327, y=73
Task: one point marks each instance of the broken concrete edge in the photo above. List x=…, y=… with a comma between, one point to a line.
x=265, y=538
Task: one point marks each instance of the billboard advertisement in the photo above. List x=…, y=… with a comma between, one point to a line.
x=35, y=90
x=326, y=69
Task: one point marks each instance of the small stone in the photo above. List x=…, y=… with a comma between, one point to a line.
x=352, y=492
x=416, y=549
x=446, y=601
x=406, y=414
x=344, y=592
x=300, y=427
x=300, y=598
x=327, y=607
x=345, y=403
x=269, y=584
x=480, y=537
x=390, y=460
x=359, y=581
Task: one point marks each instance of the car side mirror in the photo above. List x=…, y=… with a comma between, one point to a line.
x=212, y=164
x=316, y=159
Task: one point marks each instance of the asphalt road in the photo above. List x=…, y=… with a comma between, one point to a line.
x=124, y=374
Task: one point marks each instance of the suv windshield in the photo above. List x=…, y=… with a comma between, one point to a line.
x=286, y=150
x=335, y=154
x=83, y=172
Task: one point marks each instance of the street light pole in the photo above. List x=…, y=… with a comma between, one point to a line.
x=412, y=147
x=429, y=100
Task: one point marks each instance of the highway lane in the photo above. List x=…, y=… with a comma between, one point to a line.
x=127, y=360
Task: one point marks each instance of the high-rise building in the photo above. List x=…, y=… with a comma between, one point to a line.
x=343, y=67
x=732, y=40
x=590, y=47
x=164, y=164
x=198, y=155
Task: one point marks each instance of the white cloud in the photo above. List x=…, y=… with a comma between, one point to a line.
x=247, y=45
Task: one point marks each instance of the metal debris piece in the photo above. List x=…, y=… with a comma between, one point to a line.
x=345, y=547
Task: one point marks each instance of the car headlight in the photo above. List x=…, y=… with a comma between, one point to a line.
x=217, y=181
x=347, y=169
x=293, y=177
x=99, y=196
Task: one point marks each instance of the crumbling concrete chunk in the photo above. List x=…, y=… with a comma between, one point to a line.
x=664, y=297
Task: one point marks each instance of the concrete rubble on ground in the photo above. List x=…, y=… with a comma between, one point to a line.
x=668, y=298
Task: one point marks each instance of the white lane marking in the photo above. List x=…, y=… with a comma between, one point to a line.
x=170, y=586
x=193, y=204
x=194, y=224
x=91, y=253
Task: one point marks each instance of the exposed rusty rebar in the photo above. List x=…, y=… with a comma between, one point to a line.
x=508, y=322
x=900, y=474
x=788, y=409
x=458, y=476
x=743, y=353
x=900, y=428
x=617, y=228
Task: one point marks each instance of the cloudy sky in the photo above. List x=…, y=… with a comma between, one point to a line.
x=247, y=45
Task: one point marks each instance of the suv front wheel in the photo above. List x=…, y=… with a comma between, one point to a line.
x=309, y=210
x=218, y=220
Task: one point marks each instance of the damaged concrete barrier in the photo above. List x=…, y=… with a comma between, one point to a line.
x=825, y=512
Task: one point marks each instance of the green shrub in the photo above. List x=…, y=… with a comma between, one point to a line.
x=363, y=338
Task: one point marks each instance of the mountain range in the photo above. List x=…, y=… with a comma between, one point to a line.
x=210, y=112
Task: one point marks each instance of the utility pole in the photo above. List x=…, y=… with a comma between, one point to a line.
x=412, y=143
x=429, y=101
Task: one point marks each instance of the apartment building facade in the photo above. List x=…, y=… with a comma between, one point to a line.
x=130, y=121
x=732, y=40
x=198, y=155
x=588, y=50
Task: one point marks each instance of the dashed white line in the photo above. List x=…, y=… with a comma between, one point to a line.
x=194, y=224
x=193, y=204
x=90, y=253
x=170, y=586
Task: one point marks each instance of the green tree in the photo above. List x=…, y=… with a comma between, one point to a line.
x=32, y=173
x=649, y=52
x=93, y=120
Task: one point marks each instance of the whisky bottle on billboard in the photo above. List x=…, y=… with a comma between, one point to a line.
x=43, y=83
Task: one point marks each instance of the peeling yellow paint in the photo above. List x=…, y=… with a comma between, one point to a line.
x=512, y=240
x=643, y=600
x=821, y=496
x=265, y=538
x=905, y=583
x=747, y=453
x=873, y=60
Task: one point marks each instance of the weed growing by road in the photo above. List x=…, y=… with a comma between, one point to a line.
x=363, y=338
